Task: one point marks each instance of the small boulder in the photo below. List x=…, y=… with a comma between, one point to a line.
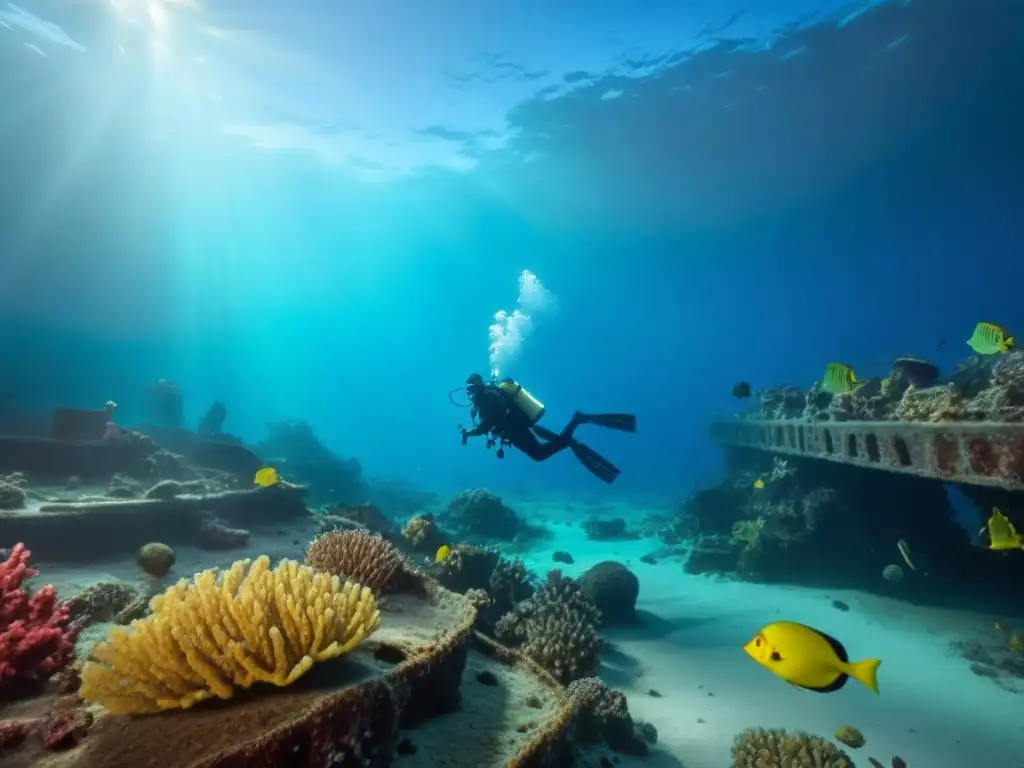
x=155, y=558
x=614, y=589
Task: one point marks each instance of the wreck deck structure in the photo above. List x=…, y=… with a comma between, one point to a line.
x=973, y=453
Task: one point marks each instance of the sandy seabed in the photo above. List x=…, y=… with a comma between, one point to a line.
x=932, y=710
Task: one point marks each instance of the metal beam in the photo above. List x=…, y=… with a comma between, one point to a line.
x=976, y=453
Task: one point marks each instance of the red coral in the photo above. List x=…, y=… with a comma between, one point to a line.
x=36, y=638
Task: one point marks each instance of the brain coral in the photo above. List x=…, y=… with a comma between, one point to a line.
x=358, y=555
x=208, y=637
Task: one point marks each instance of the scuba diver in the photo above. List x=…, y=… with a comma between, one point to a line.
x=508, y=415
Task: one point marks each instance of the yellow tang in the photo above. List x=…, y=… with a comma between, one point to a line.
x=990, y=339
x=839, y=379
x=442, y=553
x=1001, y=533
x=266, y=477
x=759, y=483
x=809, y=659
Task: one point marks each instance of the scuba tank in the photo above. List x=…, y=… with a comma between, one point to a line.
x=519, y=398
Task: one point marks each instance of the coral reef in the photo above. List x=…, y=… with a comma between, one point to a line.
x=603, y=715
x=467, y=567
x=220, y=632
x=614, y=589
x=817, y=523
x=775, y=748
x=36, y=635
x=106, y=602
x=12, y=491
x=357, y=555
x=423, y=534
x=557, y=628
x=481, y=514
x=981, y=389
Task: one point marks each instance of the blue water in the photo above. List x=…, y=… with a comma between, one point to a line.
x=316, y=214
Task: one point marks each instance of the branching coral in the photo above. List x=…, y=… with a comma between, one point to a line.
x=36, y=636
x=775, y=748
x=358, y=555
x=557, y=628
x=208, y=637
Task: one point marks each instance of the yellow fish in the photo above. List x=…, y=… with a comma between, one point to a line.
x=442, y=553
x=838, y=379
x=1017, y=643
x=1001, y=533
x=809, y=659
x=759, y=483
x=990, y=339
x=266, y=477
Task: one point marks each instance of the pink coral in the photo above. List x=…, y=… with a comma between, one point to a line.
x=36, y=638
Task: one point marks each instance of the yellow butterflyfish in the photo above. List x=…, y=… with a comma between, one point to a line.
x=266, y=477
x=442, y=553
x=808, y=658
x=759, y=483
x=990, y=339
x=839, y=379
x=1001, y=533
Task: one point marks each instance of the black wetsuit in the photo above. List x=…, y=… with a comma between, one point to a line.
x=494, y=414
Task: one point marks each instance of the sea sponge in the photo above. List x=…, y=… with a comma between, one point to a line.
x=363, y=557
x=775, y=748
x=220, y=632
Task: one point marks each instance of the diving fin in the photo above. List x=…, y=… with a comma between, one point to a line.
x=595, y=463
x=624, y=422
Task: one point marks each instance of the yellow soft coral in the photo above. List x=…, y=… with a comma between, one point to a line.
x=208, y=637
x=748, y=533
